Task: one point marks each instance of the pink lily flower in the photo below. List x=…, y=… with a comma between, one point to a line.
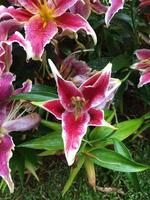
x=76, y=107
x=12, y=120
x=84, y=8
x=42, y=18
x=143, y=65
x=7, y=37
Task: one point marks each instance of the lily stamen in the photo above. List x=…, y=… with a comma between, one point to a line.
x=78, y=104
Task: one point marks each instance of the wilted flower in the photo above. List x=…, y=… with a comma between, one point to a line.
x=42, y=19
x=76, y=107
x=143, y=65
x=75, y=70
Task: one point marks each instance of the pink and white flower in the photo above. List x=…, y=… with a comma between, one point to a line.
x=115, y=6
x=42, y=18
x=84, y=8
x=143, y=65
x=11, y=120
x=7, y=37
x=76, y=107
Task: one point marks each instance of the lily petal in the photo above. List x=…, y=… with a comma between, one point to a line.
x=90, y=81
x=19, y=14
x=2, y=113
x=25, y=123
x=96, y=117
x=140, y=66
x=82, y=8
x=54, y=69
x=61, y=6
x=7, y=27
x=73, y=132
x=110, y=93
x=116, y=5
x=54, y=107
x=6, y=87
x=142, y=54
x=98, y=7
x=144, y=79
x=5, y=57
x=67, y=90
x=39, y=34
x=6, y=147
x=74, y=22
x=17, y=37
x=30, y=5
x=94, y=94
x=27, y=86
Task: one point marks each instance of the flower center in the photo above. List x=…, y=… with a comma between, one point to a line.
x=78, y=104
x=45, y=11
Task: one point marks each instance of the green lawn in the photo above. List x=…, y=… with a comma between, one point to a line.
x=55, y=173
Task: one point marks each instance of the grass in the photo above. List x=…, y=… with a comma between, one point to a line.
x=54, y=173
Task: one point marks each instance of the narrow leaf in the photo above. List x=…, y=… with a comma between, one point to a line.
x=74, y=171
x=112, y=160
x=47, y=142
x=123, y=150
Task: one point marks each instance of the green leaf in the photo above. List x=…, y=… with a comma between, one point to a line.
x=31, y=161
x=147, y=116
x=74, y=171
x=47, y=142
x=123, y=150
x=102, y=136
x=100, y=133
x=38, y=93
x=121, y=61
x=126, y=128
x=49, y=153
x=31, y=168
x=112, y=160
x=52, y=125
x=18, y=164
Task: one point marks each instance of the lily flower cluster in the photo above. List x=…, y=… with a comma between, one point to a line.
x=41, y=19
x=77, y=107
